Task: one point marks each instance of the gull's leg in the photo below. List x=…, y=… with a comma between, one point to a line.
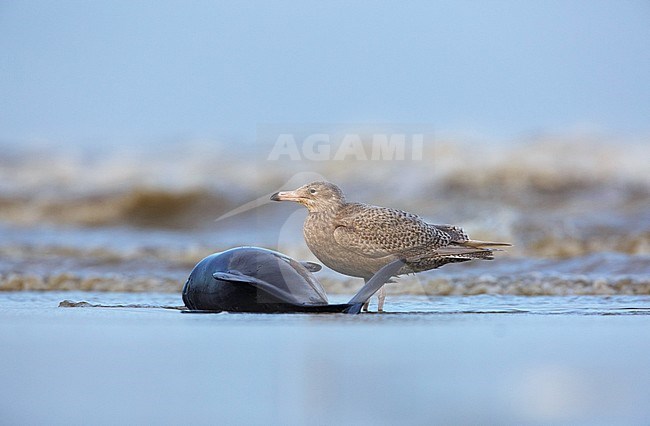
x=381, y=296
x=364, y=308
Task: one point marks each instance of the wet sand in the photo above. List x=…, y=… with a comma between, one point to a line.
x=435, y=366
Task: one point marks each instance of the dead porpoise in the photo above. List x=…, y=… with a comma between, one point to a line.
x=253, y=279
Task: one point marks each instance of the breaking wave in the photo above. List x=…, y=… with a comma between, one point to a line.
x=136, y=219
x=533, y=284
x=166, y=271
x=137, y=207
x=549, y=196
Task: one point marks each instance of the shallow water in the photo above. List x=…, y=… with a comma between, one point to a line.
x=398, y=306
x=480, y=359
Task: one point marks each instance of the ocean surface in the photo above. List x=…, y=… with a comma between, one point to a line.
x=136, y=217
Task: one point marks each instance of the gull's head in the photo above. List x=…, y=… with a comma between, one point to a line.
x=316, y=196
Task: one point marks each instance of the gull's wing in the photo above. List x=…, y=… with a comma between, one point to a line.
x=378, y=231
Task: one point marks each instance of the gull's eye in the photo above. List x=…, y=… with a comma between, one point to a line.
x=312, y=191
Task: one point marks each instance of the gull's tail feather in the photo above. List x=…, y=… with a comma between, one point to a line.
x=471, y=249
x=481, y=244
x=463, y=251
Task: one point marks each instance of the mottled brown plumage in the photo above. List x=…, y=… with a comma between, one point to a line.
x=358, y=239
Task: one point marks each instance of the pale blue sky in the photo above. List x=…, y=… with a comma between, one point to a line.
x=81, y=70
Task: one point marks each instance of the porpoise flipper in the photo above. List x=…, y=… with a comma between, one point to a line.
x=375, y=283
x=237, y=277
x=232, y=276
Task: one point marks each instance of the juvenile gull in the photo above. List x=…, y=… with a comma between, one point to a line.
x=358, y=239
